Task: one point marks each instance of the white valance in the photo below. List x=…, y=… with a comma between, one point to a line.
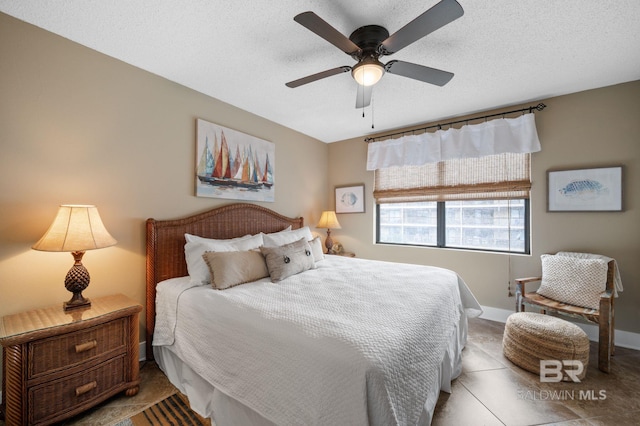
x=504, y=135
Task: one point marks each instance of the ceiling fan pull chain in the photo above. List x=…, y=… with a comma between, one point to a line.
x=372, y=113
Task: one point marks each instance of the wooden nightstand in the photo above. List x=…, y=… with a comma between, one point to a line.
x=57, y=364
x=344, y=253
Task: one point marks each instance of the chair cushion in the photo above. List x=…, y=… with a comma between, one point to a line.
x=574, y=281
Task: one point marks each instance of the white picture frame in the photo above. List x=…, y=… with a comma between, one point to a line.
x=585, y=190
x=350, y=199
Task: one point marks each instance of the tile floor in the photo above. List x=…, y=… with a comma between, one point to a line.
x=490, y=391
x=493, y=391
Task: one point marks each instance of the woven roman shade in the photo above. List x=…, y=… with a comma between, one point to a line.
x=500, y=176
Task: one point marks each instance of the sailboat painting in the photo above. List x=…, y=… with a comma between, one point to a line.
x=231, y=164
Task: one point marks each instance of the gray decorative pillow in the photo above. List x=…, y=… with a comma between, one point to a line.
x=232, y=268
x=574, y=281
x=289, y=259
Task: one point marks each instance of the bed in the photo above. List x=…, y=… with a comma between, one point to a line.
x=348, y=341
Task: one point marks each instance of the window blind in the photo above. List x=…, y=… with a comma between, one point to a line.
x=500, y=176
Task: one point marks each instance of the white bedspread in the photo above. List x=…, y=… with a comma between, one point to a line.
x=352, y=342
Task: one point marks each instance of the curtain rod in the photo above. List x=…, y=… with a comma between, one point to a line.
x=538, y=107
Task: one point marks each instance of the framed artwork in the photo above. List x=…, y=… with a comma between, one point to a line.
x=350, y=199
x=586, y=190
x=231, y=164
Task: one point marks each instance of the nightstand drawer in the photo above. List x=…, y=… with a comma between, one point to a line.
x=68, y=350
x=60, y=396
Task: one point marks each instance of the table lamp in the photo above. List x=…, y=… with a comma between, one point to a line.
x=328, y=220
x=75, y=229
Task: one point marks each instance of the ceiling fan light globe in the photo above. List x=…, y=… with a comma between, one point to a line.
x=368, y=74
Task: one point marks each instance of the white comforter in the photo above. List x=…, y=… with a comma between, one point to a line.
x=353, y=342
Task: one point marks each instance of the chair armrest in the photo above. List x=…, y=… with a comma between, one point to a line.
x=608, y=294
x=527, y=280
x=520, y=282
x=520, y=291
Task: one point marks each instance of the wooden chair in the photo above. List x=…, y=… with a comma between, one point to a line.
x=604, y=316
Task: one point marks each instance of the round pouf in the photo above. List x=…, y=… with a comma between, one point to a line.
x=530, y=337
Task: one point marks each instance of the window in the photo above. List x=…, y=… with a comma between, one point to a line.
x=472, y=203
x=490, y=225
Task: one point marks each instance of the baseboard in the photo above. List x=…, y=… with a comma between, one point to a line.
x=623, y=338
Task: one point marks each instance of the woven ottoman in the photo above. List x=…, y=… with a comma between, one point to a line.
x=530, y=337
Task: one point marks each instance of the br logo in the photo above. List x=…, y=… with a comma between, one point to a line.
x=552, y=370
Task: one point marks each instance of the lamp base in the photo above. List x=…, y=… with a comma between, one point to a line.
x=329, y=241
x=76, y=302
x=77, y=279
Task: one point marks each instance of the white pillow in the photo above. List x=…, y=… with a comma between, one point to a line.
x=287, y=229
x=278, y=239
x=196, y=239
x=193, y=251
x=316, y=249
x=574, y=281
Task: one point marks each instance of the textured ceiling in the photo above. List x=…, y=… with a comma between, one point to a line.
x=503, y=52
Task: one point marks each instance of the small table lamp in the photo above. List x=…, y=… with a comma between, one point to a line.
x=330, y=221
x=76, y=228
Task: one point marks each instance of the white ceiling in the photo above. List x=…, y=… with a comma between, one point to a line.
x=503, y=52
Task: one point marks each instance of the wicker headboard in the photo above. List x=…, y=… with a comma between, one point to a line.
x=165, y=242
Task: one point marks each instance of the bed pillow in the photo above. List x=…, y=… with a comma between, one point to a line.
x=193, y=251
x=288, y=260
x=275, y=234
x=574, y=281
x=286, y=237
x=316, y=249
x=196, y=239
x=232, y=268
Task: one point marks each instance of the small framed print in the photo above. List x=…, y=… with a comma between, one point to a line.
x=350, y=199
x=585, y=190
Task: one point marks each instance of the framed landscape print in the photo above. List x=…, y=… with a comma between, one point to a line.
x=350, y=199
x=231, y=164
x=588, y=190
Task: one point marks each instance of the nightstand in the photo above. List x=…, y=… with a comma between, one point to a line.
x=344, y=253
x=57, y=364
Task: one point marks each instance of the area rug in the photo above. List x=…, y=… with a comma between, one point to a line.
x=171, y=411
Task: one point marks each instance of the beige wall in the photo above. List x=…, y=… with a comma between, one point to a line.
x=80, y=127
x=77, y=126
x=589, y=129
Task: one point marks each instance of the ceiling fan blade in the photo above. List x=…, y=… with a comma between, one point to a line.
x=419, y=72
x=437, y=17
x=363, y=98
x=318, y=76
x=314, y=23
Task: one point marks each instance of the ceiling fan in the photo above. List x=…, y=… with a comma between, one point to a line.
x=367, y=44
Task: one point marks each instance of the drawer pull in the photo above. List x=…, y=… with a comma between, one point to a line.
x=83, y=347
x=86, y=388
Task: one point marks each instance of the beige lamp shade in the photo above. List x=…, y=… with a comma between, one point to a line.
x=328, y=220
x=75, y=228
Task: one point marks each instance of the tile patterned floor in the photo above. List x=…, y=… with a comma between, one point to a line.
x=490, y=391
x=493, y=391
